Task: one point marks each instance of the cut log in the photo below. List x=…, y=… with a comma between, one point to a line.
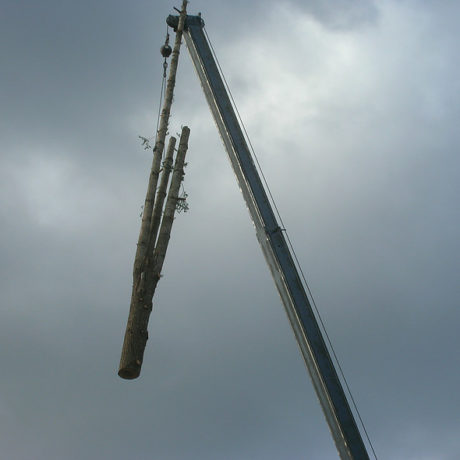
x=161, y=194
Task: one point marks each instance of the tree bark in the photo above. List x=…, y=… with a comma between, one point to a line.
x=168, y=216
x=142, y=292
x=136, y=334
x=142, y=245
x=161, y=194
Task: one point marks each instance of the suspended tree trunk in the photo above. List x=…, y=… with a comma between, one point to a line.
x=136, y=334
x=161, y=194
x=142, y=293
x=171, y=203
x=158, y=150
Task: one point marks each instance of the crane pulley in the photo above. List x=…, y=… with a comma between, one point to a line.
x=316, y=355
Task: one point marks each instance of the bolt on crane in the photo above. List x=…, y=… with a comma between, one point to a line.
x=271, y=237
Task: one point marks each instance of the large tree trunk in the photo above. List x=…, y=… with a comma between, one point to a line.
x=168, y=216
x=142, y=293
x=161, y=194
x=142, y=245
x=136, y=334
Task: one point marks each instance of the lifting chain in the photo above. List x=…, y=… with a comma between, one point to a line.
x=166, y=51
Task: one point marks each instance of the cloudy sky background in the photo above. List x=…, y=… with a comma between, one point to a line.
x=353, y=109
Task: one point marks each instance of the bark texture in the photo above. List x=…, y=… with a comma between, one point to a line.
x=144, y=285
x=144, y=280
x=161, y=193
x=170, y=208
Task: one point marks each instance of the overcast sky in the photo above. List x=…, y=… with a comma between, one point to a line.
x=353, y=109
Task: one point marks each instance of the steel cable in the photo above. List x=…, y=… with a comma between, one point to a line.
x=323, y=327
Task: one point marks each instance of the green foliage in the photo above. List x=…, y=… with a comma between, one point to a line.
x=182, y=205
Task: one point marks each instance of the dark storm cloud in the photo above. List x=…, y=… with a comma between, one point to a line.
x=340, y=15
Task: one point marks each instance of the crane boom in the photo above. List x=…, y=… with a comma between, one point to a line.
x=270, y=235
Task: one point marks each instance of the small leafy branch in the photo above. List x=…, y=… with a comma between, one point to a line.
x=182, y=205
